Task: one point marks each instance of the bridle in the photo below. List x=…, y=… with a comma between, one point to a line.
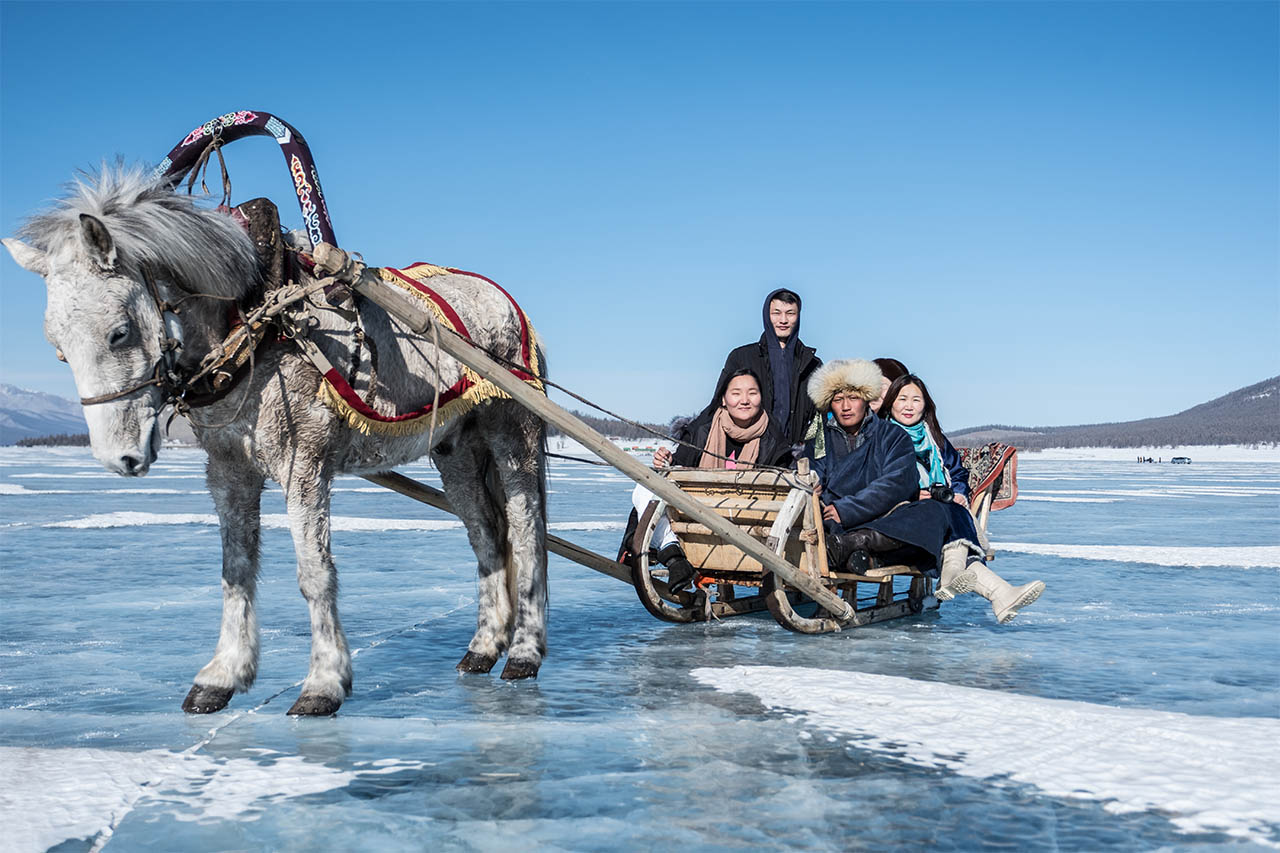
x=165, y=373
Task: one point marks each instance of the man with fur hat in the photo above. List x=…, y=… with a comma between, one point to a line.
x=783, y=363
x=867, y=470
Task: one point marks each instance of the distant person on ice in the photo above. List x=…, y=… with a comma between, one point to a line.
x=782, y=362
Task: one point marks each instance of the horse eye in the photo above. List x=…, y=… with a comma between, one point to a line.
x=119, y=335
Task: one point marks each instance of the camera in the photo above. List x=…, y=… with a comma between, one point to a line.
x=941, y=492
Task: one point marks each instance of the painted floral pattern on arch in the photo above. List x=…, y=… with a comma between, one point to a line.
x=212, y=126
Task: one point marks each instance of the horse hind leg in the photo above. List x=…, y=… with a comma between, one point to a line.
x=464, y=466
x=516, y=446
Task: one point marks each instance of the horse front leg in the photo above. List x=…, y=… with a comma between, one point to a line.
x=328, y=679
x=237, y=495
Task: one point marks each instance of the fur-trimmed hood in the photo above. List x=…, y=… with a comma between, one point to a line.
x=858, y=375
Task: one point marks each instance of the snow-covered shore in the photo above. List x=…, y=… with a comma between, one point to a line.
x=1197, y=453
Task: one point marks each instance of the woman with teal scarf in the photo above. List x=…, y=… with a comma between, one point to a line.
x=943, y=477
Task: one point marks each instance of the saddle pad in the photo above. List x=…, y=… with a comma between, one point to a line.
x=468, y=392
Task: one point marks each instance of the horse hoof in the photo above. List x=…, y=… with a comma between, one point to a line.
x=472, y=662
x=314, y=706
x=518, y=669
x=206, y=700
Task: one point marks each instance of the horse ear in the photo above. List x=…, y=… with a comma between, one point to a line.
x=28, y=257
x=99, y=242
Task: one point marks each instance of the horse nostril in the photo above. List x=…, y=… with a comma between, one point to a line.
x=130, y=463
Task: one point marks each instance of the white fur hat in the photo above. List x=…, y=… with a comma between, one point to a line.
x=858, y=375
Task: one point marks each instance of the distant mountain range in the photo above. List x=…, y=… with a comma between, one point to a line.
x=1250, y=415
x=31, y=414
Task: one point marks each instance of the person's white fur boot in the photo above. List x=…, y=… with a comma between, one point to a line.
x=956, y=577
x=1006, y=599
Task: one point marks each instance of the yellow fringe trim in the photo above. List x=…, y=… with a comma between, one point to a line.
x=420, y=272
x=472, y=397
x=392, y=278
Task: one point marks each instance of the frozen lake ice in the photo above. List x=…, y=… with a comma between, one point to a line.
x=1135, y=706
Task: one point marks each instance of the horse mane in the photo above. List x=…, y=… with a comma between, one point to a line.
x=199, y=250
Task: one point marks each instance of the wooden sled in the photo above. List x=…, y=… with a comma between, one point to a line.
x=780, y=510
x=758, y=502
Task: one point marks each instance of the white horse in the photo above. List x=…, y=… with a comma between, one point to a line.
x=139, y=282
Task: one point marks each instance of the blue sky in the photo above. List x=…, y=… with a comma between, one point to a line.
x=1055, y=213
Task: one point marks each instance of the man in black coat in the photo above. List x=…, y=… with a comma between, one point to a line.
x=783, y=363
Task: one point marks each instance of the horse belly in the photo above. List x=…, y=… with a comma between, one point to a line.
x=372, y=453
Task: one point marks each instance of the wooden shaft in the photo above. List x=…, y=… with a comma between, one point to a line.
x=434, y=497
x=480, y=362
x=336, y=262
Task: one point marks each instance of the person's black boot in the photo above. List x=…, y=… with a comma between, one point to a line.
x=841, y=546
x=679, y=570
x=849, y=552
x=858, y=563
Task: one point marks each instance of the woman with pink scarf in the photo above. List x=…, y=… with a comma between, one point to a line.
x=735, y=434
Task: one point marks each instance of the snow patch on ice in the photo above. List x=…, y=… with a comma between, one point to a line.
x=1240, y=556
x=83, y=793
x=586, y=525
x=1025, y=496
x=105, y=520
x=1189, y=768
x=19, y=489
x=1198, y=453
x=1175, y=491
x=280, y=521
x=370, y=490
x=353, y=523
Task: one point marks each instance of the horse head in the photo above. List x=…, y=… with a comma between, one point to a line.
x=115, y=255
